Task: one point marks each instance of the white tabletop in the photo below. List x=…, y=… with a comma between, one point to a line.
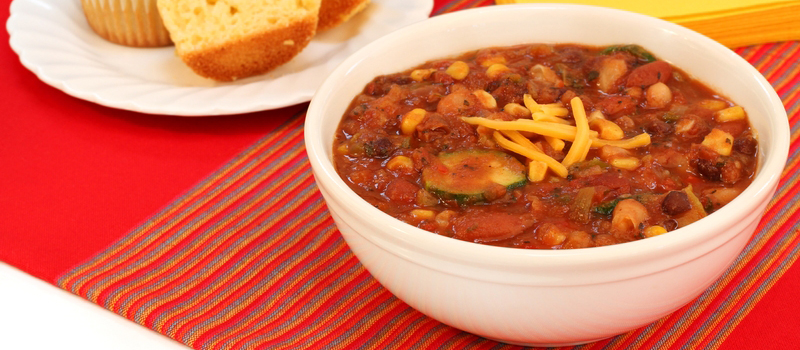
x=36, y=315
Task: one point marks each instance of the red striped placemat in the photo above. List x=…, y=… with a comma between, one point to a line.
x=250, y=259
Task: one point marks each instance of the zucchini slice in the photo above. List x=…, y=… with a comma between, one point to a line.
x=471, y=176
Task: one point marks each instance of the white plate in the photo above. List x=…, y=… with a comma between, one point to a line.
x=54, y=41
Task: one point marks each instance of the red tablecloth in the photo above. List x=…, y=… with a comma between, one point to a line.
x=211, y=230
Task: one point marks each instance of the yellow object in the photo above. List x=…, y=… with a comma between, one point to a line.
x=536, y=171
x=411, y=119
x=557, y=144
x=496, y=70
x=400, y=163
x=581, y=143
x=733, y=23
x=419, y=75
x=530, y=153
x=719, y=141
x=487, y=100
x=516, y=110
x=627, y=163
x=458, y=70
x=608, y=130
x=730, y=114
x=653, y=231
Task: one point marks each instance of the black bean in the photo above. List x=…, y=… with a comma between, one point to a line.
x=676, y=202
x=708, y=169
x=658, y=128
x=746, y=145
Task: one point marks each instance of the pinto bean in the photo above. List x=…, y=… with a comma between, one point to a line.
x=487, y=226
x=649, y=74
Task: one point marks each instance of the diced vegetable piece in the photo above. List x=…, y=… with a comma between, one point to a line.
x=713, y=105
x=580, y=208
x=470, y=176
x=730, y=114
x=611, y=70
x=635, y=50
x=537, y=170
x=719, y=141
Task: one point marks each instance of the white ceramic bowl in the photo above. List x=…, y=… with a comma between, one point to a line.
x=543, y=297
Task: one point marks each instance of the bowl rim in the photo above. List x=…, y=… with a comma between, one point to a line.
x=759, y=191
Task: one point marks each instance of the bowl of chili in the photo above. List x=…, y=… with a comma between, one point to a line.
x=475, y=275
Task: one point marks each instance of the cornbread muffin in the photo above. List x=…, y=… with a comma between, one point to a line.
x=335, y=12
x=127, y=22
x=227, y=40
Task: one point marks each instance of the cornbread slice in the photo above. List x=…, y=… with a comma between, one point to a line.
x=227, y=40
x=335, y=12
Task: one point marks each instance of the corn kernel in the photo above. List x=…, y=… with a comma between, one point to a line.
x=719, y=141
x=713, y=105
x=555, y=143
x=537, y=170
x=493, y=60
x=458, y=70
x=411, y=119
x=516, y=110
x=486, y=99
x=627, y=163
x=423, y=214
x=730, y=114
x=653, y=231
x=400, y=163
x=421, y=74
x=496, y=70
x=608, y=130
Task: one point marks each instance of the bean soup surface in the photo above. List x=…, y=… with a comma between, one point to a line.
x=545, y=146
